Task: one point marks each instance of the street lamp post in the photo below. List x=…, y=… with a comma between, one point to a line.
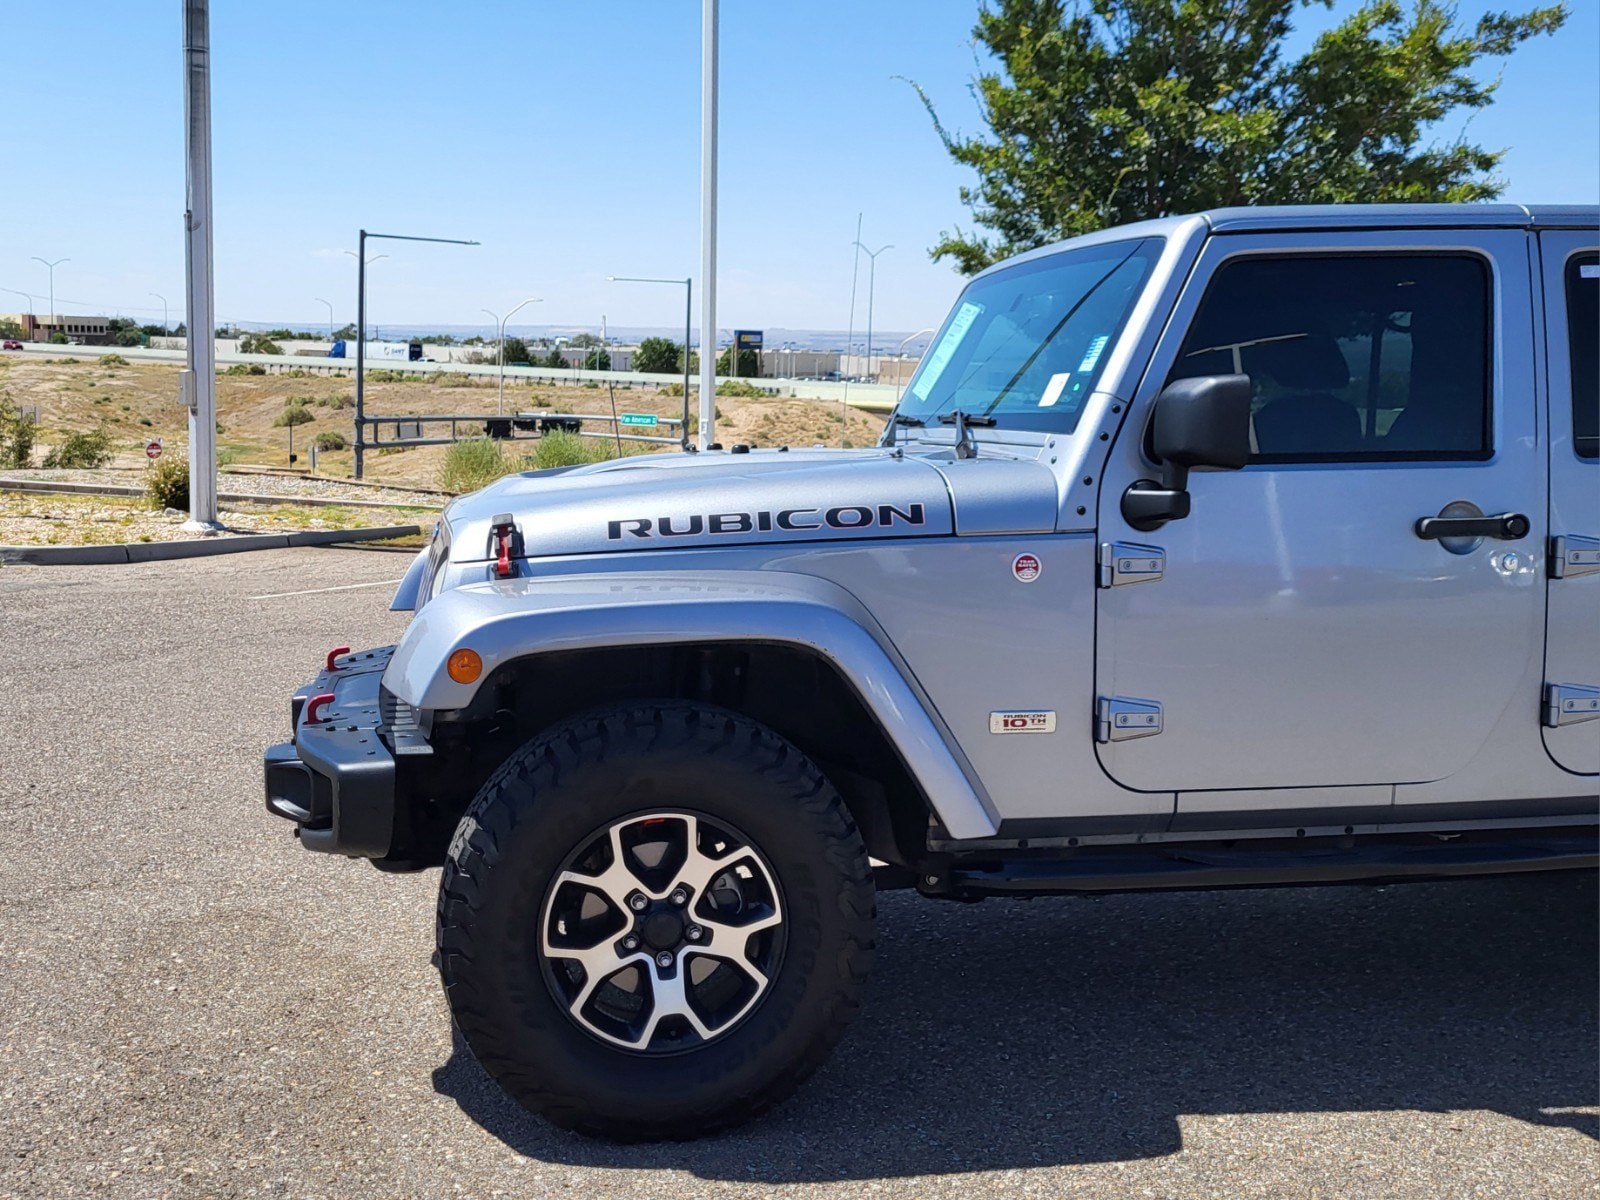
x=361, y=324
x=329, y=303
x=163, y=300
x=500, y=323
x=362, y=332
x=52, y=266
x=688, y=320
x=31, y=314
x=872, y=275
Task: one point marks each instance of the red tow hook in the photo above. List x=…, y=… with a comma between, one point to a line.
x=314, y=707
x=503, y=529
x=335, y=653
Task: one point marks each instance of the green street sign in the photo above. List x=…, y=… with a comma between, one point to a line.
x=647, y=419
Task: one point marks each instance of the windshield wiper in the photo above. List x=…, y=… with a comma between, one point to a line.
x=966, y=444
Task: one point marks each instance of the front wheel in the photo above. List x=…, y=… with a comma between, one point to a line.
x=655, y=921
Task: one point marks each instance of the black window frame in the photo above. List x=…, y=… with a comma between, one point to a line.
x=1361, y=458
x=1570, y=274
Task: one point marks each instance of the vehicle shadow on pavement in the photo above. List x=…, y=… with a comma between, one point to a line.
x=1059, y=1031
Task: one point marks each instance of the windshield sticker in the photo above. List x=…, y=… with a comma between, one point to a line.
x=942, y=353
x=1096, y=347
x=1053, y=389
x=1589, y=270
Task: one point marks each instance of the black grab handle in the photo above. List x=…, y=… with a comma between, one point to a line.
x=1506, y=526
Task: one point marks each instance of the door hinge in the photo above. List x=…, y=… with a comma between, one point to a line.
x=1118, y=718
x=1573, y=554
x=1569, y=703
x=1130, y=562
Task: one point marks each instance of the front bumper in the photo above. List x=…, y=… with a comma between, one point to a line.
x=336, y=779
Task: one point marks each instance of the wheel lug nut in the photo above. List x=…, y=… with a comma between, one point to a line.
x=663, y=959
x=637, y=902
x=630, y=943
x=680, y=897
x=693, y=933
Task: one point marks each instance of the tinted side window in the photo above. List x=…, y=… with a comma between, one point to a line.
x=1372, y=357
x=1583, y=337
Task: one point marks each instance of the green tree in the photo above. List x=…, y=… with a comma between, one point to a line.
x=10, y=328
x=516, y=351
x=258, y=343
x=555, y=358
x=749, y=363
x=583, y=341
x=597, y=360
x=346, y=334
x=662, y=355
x=1106, y=111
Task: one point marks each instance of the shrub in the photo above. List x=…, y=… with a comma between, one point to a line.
x=471, y=464
x=244, y=369
x=58, y=338
x=738, y=388
x=16, y=434
x=144, y=421
x=294, y=412
x=555, y=359
x=112, y=360
x=384, y=375
x=79, y=450
x=558, y=448
x=328, y=439
x=258, y=343
x=597, y=360
x=167, y=483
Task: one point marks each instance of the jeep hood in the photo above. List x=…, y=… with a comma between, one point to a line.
x=719, y=498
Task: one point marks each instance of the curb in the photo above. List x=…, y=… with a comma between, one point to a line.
x=68, y=488
x=138, y=552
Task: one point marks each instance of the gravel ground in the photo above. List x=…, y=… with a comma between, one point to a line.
x=195, y=1007
x=249, y=483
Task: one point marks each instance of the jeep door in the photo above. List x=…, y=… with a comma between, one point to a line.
x=1295, y=631
x=1570, y=714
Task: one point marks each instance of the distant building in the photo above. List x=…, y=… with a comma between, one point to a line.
x=81, y=331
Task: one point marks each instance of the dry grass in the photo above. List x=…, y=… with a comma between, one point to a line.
x=138, y=401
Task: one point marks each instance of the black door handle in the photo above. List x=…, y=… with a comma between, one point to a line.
x=1506, y=526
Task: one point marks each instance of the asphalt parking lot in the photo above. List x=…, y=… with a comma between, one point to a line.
x=190, y=1005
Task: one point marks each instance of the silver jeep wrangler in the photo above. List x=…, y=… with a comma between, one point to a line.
x=1249, y=548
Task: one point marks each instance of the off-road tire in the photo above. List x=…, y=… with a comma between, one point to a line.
x=558, y=789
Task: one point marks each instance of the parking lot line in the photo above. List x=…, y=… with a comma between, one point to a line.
x=343, y=587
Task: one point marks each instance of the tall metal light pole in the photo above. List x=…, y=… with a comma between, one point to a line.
x=361, y=325
x=362, y=332
x=872, y=276
x=849, y=338
x=163, y=300
x=52, y=266
x=708, y=222
x=500, y=322
x=688, y=325
x=329, y=303
x=199, y=378
x=33, y=315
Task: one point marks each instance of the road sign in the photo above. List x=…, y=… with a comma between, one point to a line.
x=747, y=339
x=649, y=420
x=152, y=449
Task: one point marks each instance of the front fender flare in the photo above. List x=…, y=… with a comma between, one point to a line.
x=516, y=618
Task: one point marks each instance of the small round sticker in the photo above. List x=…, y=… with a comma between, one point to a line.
x=1026, y=567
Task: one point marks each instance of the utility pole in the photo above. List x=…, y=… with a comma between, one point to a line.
x=708, y=222
x=329, y=303
x=849, y=338
x=200, y=353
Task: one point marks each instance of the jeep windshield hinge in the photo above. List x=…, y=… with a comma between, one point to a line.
x=1130, y=562
x=1573, y=554
x=1119, y=718
x=1569, y=703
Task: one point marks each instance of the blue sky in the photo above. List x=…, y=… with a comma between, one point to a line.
x=564, y=137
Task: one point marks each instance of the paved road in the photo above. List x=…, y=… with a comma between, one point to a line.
x=192, y=1006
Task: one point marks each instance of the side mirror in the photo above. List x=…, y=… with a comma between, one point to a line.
x=1200, y=422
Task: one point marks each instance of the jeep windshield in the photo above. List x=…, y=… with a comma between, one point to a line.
x=1026, y=344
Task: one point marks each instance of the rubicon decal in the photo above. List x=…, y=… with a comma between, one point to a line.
x=1037, y=721
x=792, y=520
